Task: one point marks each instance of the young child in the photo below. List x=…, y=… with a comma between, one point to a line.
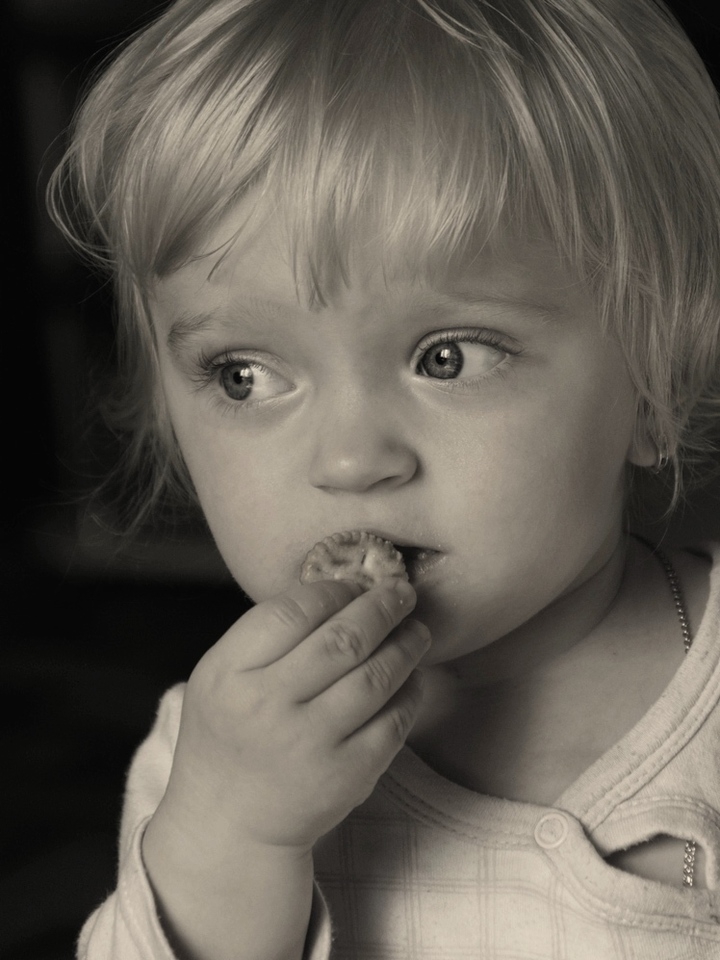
x=446, y=271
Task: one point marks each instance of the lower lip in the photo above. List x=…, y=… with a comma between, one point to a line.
x=422, y=563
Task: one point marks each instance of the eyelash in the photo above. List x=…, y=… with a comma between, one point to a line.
x=207, y=368
x=488, y=338
x=207, y=371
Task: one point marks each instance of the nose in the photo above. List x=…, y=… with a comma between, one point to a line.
x=359, y=447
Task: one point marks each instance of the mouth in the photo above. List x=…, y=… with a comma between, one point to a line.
x=418, y=560
x=367, y=557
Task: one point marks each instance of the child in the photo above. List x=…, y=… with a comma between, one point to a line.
x=446, y=271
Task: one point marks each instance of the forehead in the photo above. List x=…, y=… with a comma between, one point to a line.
x=250, y=257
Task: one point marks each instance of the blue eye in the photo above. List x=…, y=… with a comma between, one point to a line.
x=237, y=380
x=453, y=358
x=243, y=381
x=442, y=360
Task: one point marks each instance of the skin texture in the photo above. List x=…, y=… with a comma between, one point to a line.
x=513, y=472
x=534, y=449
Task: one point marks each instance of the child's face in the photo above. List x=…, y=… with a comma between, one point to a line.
x=484, y=418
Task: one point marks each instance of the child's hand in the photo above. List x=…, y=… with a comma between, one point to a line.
x=287, y=724
x=290, y=719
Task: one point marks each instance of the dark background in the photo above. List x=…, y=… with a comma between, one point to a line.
x=93, y=634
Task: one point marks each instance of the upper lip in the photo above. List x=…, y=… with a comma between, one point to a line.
x=402, y=543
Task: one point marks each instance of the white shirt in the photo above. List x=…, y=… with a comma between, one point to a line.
x=428, y=870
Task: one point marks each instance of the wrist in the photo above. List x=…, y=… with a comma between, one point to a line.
x=212, y=894
x=212, y=846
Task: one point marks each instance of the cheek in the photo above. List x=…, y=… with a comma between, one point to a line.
x=558, y=458
x=249, y=530
x=238, y=491
x=600, y=430
x=245, y=516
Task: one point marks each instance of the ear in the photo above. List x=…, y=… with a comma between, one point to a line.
x=648, y=447
x=644, y=451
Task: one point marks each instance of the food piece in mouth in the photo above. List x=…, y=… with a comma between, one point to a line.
x=353, y=555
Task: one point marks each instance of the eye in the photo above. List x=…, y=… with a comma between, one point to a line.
x=460, y=356
x=244, y=380
x=237, y=380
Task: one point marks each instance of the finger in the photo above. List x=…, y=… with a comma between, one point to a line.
x=345, y=640
x=372, y=748
x=360, y=695
x=271, y=629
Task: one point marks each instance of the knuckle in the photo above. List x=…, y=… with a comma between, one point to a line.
x=402, y=718
x=401, y=724
x=388, y=610
x=405, y=709
x=379, y=676
x=289, y=613
x=345, y=639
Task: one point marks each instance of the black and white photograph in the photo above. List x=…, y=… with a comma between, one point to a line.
x=362, y=552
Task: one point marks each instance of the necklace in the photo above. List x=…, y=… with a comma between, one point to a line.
x=673, y=580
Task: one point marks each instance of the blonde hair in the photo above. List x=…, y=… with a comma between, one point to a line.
x=434, y=121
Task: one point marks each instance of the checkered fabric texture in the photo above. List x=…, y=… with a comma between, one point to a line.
x=407, y=881
x=428, y=870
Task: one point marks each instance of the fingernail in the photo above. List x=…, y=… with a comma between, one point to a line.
x=407, y=598
x=419, y=629
x=402, y=588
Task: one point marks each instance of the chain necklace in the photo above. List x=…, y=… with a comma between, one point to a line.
x=673, y=580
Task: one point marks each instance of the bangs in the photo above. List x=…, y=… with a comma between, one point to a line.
x=418, y=131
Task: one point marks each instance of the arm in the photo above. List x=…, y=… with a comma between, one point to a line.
x=229, y=899
x=126, y=926
x=287, y=724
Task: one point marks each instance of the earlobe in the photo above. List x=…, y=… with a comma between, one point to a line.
x=643, y=452
x=650, y=453
x=649, y=447
x=663, y=456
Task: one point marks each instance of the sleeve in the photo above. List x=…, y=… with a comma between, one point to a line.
x=126, y=926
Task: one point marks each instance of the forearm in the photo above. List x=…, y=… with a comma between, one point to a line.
x=219, y=899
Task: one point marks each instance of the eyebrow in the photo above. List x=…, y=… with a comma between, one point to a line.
x=526, y=305
x=189, y=327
